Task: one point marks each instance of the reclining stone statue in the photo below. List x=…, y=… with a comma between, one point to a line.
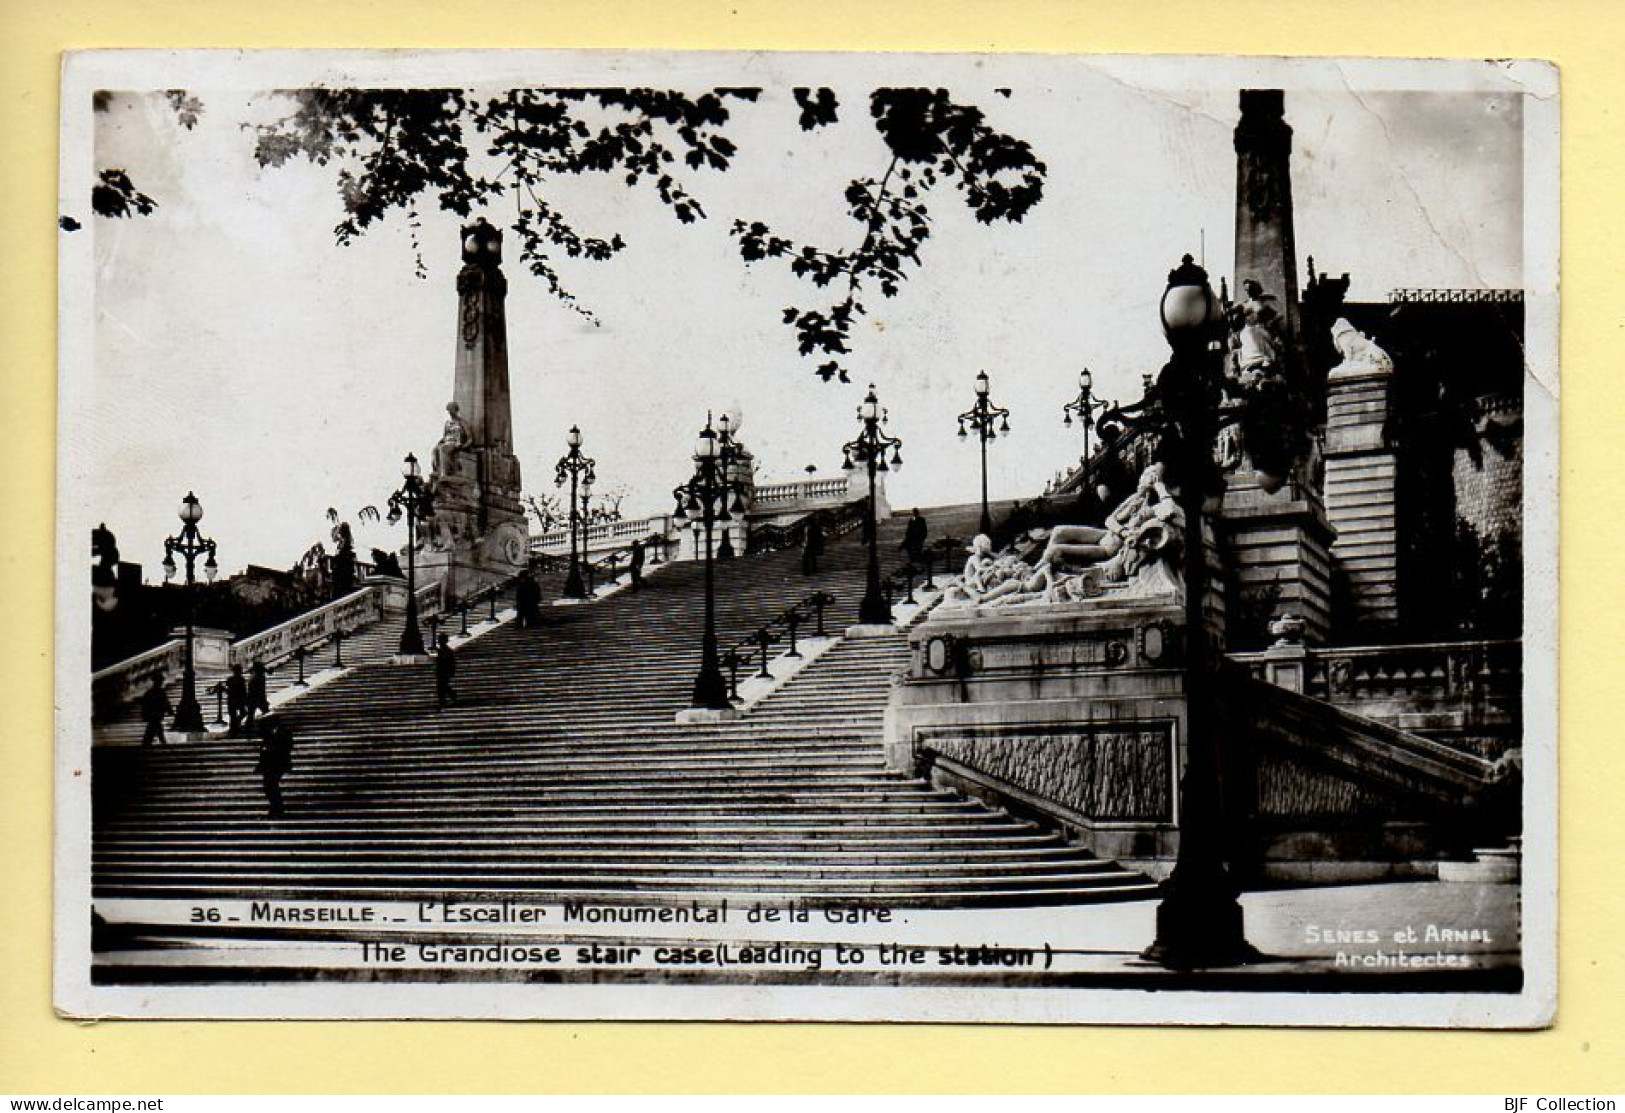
x=1077, y=562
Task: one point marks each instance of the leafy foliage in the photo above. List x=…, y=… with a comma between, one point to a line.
x=114, y=195
x=188, y=109
x=398, y=147
x=818, y=107
x=404, y=149
x=933, y=140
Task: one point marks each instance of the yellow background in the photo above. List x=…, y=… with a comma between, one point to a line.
x=1584, y=1053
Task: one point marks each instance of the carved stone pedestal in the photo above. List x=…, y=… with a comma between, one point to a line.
x=1072, y=713
x=1277, y=549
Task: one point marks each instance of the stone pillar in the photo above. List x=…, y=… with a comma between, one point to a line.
x=478, y=533
x=1360, y=477
x=1266, y=248
x=1278, y=558
x=211, y=648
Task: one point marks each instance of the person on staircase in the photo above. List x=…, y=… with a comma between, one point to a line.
x=812, y=545
x=527, y=600
x=635, y=564
x=155, y=706
x=914, y=538
x=276, y=758
x=259, y=700
x=445, y=668
x=236, y=700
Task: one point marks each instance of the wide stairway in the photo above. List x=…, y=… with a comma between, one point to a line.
x=561, y=774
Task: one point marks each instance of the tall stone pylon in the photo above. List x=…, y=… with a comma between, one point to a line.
x=1266, y=246
x=477, y=533
x=1277, y=539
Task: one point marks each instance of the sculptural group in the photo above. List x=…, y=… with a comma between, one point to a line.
x=1079, y=562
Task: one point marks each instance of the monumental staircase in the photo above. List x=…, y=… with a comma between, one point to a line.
x=562, y=773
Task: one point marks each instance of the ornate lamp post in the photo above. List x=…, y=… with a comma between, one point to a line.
x=579, y=470
x=869, y=448
x=725, y=438
x=415, y=502
x=1199, y=922
x=714, y=495
x=1084, y=407
x=190, y=544
x=981, y=418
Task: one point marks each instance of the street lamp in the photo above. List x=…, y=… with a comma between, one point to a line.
x=1085, y=406
x=1199, y=921
x=579, y=470
x=415, y=502
x=869, y=448
x=191, y=544
x=713, y=495
x=726, y=428
x=981, y=418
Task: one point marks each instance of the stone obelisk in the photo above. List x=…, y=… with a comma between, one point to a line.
x=1277, y=539
x=1266, y=245
x=477, y=533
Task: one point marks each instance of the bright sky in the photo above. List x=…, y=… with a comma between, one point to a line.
x=241, y=353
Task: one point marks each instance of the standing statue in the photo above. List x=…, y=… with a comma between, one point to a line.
x=1256, y=339
x=455, y=439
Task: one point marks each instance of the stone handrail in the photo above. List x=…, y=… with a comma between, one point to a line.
x=122, y=683
x=1472, y=684
x=801, y=490
x=598, y=534
x=342, y=616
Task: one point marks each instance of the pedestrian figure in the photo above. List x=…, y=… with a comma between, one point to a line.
x=527, y=600
x=236, y=700
x=154, y=706
x=259, y=701
x=276, y=758
x=914, y=538
x=445, y=667
x=812, y=546
x=635, y=563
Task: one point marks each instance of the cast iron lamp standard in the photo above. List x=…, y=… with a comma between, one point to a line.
x=414, y=502
x=735, y=473
x=869, y=448
x=1084, y=407
x=1199, y=921
x=981, y=418
x=713, y=495
x=190, y=544
x=579, y=470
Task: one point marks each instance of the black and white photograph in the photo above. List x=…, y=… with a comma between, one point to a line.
x=752, y=536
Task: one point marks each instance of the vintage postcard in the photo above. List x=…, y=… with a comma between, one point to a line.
x=805, y=536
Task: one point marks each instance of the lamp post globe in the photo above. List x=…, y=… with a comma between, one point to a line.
x=190, y=544
x=987, y=421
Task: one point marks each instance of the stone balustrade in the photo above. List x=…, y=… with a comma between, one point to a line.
x=603, y=536
x=774, y=496
x=342, y=616
x=120, y=684
x=1467, y=687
